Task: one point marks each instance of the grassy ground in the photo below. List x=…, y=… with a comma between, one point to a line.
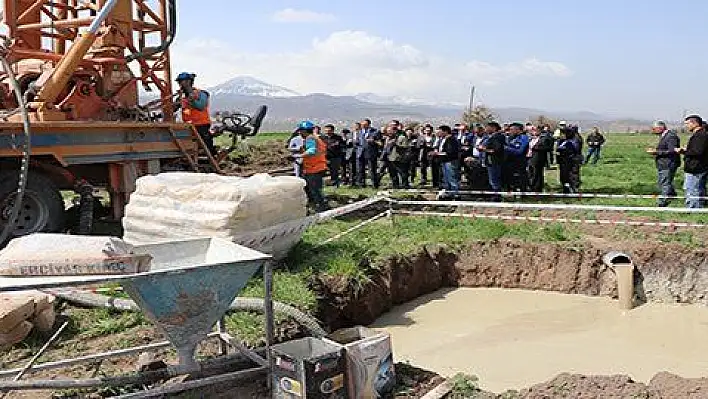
x=624, y=169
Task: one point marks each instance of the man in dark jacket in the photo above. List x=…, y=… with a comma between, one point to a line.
x=595, y=140
x=569, y=158
x=695, y=161
x=426, y=142
x=540, y=145
x=347, y=172
x=335, y=153
x=494, y=150
x=368, y=151
x=516, y=148
x=448, y=156
x=667, y=159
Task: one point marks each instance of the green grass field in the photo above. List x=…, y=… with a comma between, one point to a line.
x=625, y=168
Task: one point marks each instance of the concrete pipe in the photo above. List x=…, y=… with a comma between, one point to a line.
x=623, y=266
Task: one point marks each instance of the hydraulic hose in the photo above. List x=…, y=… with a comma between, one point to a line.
x=24, y=166
x=86, y=205
x=171, y=33
x=90, y=299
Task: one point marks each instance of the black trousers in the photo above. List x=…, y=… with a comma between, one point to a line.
x=569, y=175
x=372, y=165
x=399, y=173
x=536, y=171
x=516, y=177
x=436, y=172
x=335, y=165
x=205, y=133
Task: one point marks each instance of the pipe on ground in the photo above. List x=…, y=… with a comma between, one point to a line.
x=623, y=266
x=90, y=299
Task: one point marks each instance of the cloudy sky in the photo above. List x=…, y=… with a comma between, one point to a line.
x=643, y=58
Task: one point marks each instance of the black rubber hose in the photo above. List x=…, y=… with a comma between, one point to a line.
x=24, y=166
x=86, y=203
x=171, y=33
x=90, y=299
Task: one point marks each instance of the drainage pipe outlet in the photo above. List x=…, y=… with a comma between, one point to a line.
x=623, y=266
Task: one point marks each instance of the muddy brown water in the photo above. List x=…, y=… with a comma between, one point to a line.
x=513, y=339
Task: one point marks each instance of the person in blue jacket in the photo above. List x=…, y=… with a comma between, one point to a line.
x=570, y=157
x=516, y=149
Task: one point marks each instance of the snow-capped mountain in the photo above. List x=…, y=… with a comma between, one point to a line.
x=246, y=94
x=249, y=86
x=398, y=100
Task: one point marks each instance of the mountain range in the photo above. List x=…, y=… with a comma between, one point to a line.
x=286, y=106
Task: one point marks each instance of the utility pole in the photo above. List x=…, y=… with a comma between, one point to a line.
x=472, y=98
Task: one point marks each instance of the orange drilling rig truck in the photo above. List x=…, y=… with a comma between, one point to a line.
x=70, y=117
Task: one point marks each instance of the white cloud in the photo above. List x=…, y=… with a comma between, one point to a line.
x=350, y=62
x=290, y=15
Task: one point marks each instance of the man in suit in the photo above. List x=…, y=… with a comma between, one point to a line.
x=539, y=147
x=368, y=150
x=426, y=141
x=493, y=147
x=667, y=159
x=448, y=156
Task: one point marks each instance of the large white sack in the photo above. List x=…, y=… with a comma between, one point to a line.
x=180, y=205
x=42, y=254
x=247, y=205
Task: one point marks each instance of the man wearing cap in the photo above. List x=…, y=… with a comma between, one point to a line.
x=667, y=160
x=195, y=108
x=695, y=158
x=314, y=165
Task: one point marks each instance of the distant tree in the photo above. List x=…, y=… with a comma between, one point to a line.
x=542, y=120
x=412, y=125
x=478, y=114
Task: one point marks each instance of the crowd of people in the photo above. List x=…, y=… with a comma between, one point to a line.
x=487, y=156
x=492, y=157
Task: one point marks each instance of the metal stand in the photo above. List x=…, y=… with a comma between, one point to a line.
x=185, y=303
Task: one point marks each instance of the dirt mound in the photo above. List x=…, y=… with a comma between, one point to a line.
x=259, y=158
x=580, y=386
x=672, y=386
x=664, y=273
x=663, y=385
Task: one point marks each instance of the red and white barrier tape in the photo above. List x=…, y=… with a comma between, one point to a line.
x=553, y=219
x=567, y=207
x=552, y=195
x=343, y=210
x=354, y=228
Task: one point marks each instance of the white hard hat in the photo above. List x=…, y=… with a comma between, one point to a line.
x=562, y=123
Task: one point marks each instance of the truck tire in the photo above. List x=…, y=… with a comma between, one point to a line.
x=42, y=206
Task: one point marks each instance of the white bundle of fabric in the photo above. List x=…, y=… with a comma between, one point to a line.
x=179, y=205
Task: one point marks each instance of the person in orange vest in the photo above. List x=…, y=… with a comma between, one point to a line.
x=195, y=108
x=314, y=165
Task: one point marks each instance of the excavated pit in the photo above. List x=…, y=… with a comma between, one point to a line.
x=664, y=273
x=667, y=273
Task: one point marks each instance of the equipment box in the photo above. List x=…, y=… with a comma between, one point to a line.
x=309, y=368
x=369, y=361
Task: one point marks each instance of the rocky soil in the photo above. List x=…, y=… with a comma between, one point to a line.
x=662, y=386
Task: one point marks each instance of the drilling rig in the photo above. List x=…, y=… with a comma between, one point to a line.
x=70, y=117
